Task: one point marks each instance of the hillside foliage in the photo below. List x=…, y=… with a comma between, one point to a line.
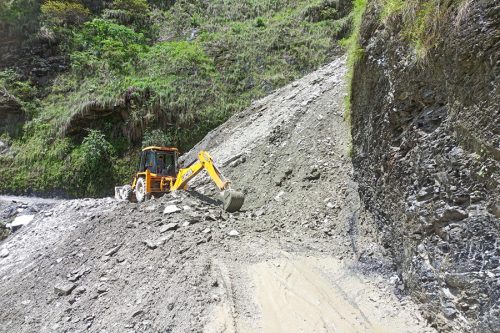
x=144, y=71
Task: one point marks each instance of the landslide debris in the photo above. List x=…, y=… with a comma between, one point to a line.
x=180, y=263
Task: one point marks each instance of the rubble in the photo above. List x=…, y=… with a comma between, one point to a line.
x=168, y=227
x=64, y=289
x=4, y=253
x=171, y=209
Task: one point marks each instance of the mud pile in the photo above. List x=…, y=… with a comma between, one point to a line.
x=180, y=263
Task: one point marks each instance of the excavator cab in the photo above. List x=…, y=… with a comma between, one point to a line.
x=160, y=162
x=158, y=172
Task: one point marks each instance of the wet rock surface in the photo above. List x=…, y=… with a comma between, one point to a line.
x=426, y=156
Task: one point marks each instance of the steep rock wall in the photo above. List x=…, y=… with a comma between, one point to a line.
x=426, y=154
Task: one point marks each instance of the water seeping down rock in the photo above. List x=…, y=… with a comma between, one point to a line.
x=426, y=153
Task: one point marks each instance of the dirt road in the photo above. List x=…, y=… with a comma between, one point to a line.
x=300, y=257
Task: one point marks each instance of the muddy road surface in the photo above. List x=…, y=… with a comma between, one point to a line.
x=302, y=255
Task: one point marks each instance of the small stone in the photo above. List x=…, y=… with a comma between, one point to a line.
x=80, y=290
x=167, y=227
x=171, y=209
x=150, y=244
x=206, y=231
x=113, y=251
x=234, y=233
x=4, y=253
x=137, y=313
x=64, y=289
x=102, y=289
x=393, y=279
x=449, y=312
x=260, y=212
x=164, y=239
x=76, y=276
x=279, y=195
x=22, y=220
x=186, y=224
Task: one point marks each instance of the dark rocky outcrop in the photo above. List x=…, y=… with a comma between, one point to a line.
x=12, y=115
x=426, y=150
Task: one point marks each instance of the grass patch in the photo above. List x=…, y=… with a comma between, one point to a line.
x=421, y=20
x=354, y=50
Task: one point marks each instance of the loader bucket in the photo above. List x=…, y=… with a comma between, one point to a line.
x=233, y=200
x=118, y=192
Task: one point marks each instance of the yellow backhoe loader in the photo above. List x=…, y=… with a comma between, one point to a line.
x=159, y=173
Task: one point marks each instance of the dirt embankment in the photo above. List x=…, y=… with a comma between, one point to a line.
x=301, y=256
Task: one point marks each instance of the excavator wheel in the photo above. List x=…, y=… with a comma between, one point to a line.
x=140, y=190
x=233, y=200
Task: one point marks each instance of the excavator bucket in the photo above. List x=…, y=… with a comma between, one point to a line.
x=233, y=200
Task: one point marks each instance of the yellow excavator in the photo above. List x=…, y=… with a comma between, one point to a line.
x=159, y=173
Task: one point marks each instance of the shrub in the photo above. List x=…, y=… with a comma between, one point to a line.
x=156, y=137
x=21, y=16
x=134, y=6
x=259, y=22
x=64, y=12
x=133, y=13
x=92, y=164
x=106, y=45
x=22, y=91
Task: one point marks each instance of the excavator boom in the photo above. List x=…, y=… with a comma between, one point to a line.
x=204, y=162
x=233, y=200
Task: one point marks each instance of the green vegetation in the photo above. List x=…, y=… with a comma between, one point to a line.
x=57, y=13
x=418, y=20
x=93, y=165
x=19, y=14
x=149, y=73
x=354, y=49
x=421, y=20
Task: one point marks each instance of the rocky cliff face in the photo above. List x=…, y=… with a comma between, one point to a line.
x=426, y=153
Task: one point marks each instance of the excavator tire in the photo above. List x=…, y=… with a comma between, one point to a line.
x=233, y=200
x=140, y=190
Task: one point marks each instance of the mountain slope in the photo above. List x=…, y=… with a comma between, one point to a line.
x=83, y=79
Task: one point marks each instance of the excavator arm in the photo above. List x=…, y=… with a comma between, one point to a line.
x=204, y=162
x=233, y=200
